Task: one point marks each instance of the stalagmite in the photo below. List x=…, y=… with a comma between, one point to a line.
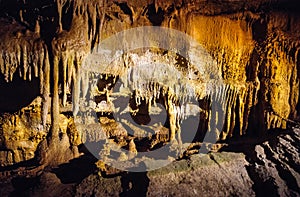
x=258, y=83
x=132, y=152
x=55, y=99
x=46, y=88
x=172, y=118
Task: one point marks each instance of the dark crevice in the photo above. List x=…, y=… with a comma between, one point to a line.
x=95, y=38
x=261, y=187
x=134, y=184
x=259, y=30
x=156, y=18
x=237, y=129
x=203, y=121
x=126, y=10
x=17, y=94
x=22, y=185
x=251, y=68
x=67, y=16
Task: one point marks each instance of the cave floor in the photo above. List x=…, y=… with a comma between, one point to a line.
x=269, y=166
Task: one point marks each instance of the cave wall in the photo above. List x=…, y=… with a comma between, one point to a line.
x=255, y=44
x=255, y=50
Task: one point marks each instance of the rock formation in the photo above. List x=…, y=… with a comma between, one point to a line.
x=255, y=46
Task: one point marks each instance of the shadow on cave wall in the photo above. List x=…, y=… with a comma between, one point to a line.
x=83, y=166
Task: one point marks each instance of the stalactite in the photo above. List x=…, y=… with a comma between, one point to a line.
x=70, y=68
x=42, y=70
x=25, y=62
x=60, y=4
x=64, y=65
x=24, y=51
x=228, y=39
x=76, y=88
x=241, y=109
x=85, y=83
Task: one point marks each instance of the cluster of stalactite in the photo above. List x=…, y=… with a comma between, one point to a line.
x=24, y=54
x=92, y=14
x=229, y=40
x=70, y=46
x=258, y=75
x=261, y=67
x=228, y=101
x=161, y=81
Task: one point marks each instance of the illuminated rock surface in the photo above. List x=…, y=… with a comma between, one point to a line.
x=256, y=49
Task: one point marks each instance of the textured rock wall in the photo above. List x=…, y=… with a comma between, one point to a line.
x=260, y=60
x=254, y=51
x=254, y=43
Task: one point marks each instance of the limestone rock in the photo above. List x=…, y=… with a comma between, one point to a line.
x=255, y=45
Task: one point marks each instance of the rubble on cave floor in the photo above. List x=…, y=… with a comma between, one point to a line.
x=269, y=165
